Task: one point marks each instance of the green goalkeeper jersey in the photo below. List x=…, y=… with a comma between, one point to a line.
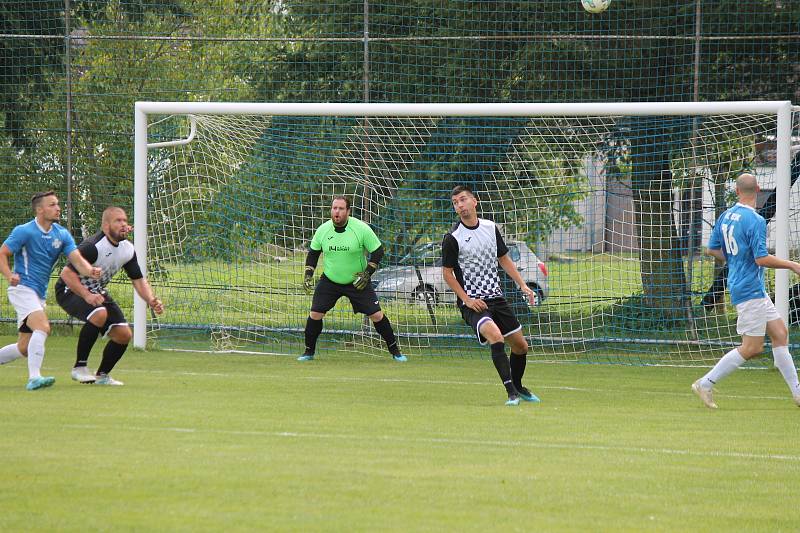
x=344, y=250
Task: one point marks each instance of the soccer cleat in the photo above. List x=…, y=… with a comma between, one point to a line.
x=527, y=395
x=105, y=379
x=39, y=383
x=81, y=374
x=306, y=357
x=400, y=358
x=513, y=400
x=704, y=394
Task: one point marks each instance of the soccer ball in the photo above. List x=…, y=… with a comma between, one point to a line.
x=595, y=6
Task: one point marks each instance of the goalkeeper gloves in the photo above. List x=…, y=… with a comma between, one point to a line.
x=362, y=278
x=308, y=279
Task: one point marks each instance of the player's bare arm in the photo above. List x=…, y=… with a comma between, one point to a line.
x=71, y=279
x=475, y=304
x=511, y=269
x=83, y=266
x=143, y=289
x=770, y=261
x=717, y=254
x=5, y=268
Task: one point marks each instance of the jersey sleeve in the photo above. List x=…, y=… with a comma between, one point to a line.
x=449, y=251
x=316, y=241
x=502, y=249
x=132, y=268
x=760, y=238
x=17, y=239
x=68, y=243
x=371, y=240
x=715, y=241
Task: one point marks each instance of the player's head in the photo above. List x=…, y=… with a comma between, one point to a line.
x=115, y=223
x=465, y=202
x=746, y=186
x=340, y=210
x=45, y=206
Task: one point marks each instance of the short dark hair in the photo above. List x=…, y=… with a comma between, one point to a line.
x=342, y=197
x=458, y=189
x=37, y=198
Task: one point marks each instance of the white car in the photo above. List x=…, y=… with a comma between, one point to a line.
x=418, y=276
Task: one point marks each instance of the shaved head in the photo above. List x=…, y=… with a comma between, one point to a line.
x=110, y=212
x=746, y=185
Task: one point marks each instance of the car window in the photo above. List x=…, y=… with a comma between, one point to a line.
x=513, y=252
x=425, y=254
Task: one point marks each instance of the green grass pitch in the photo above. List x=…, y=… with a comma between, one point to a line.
x=198, y=442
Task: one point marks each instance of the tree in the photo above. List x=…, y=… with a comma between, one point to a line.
x=26, y=62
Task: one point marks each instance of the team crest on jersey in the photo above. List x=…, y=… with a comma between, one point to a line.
x=56, y=243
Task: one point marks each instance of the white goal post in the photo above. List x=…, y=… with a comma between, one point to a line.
x=145, y=111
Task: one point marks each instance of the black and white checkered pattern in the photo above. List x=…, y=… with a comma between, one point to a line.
x=477, y=259
x=99, y=252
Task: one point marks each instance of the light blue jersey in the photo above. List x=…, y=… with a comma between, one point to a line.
x=36, y=251
x=741, y=233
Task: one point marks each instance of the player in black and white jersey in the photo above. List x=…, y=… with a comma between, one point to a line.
x=87, y=299
x=471, y=252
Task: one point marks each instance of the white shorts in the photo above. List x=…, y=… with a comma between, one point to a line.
x=754, y=315
x=25, y=301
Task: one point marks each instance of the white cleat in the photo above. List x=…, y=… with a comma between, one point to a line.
x=704, y=394
x=81, y=374
x=107, y=380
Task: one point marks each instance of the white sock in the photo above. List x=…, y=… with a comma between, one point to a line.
x=9, y=353
x=725, y=366
x=36, y=354
x=784, y=363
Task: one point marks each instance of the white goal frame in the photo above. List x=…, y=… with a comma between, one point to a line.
x=782, y=110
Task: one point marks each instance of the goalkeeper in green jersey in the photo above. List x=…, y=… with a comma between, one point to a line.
x=344, y=241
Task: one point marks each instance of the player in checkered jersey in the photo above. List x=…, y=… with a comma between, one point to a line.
x=87, y=299
x=471, y=252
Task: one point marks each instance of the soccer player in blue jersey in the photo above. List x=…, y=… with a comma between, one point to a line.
x=35, y=247
x=740, y=239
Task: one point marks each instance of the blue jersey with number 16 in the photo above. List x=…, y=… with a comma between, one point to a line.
x=741, y=233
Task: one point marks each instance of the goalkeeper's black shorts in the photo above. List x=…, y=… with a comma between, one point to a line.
x=78, y=308
x=327, y=293
x=499, y=312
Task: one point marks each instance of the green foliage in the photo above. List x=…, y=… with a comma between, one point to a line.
x=27, y=62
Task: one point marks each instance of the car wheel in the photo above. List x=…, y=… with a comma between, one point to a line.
x=425, y=294
x=537, y=294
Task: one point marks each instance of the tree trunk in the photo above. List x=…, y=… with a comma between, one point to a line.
x=663, y=277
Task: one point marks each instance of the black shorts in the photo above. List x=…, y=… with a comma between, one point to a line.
x=78, y=308
x=327, y=293
x=499, y=312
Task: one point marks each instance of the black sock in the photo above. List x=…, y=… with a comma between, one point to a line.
x=112, y=353
x=518, y=368
x=384, y=328
x=500, y=360
x=86, y=339
x=313, y=329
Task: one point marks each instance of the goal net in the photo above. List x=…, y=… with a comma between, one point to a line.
x=606, y=209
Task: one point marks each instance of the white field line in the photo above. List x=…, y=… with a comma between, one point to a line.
x=395, y=439
x=444, y=382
